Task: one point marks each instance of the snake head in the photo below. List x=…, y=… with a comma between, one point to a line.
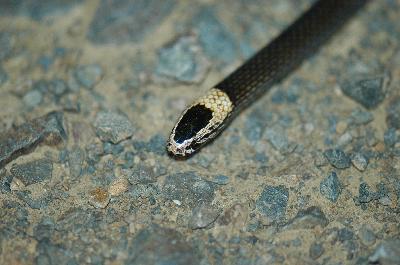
x=199, y=123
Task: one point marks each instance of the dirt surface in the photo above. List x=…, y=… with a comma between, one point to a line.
x=89, y=91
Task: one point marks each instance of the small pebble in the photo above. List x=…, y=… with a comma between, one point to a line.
x=359, y=161
x=99, y=198
x=341, y=127
x=308, y=219
x=319, y=159
x=88, y=75
x=159, y=245
x=33, y=98
x=25, y=137
x=367, y=236
x=3, y=75
x=217, y=41
x=58, y=87
x=273, y=201
x=118, y=187
x=113, y=127
x=118, y=22
x=390, y=137
x=221, y=179
x=16, y=184
x=316, y=250
x=361, y=117
x=188, y=188
x=369, y=91
x=365, y=194
x=344, y=139
x=182, y=61
x=141, y=174
x=330, y=187
x=203, y=216
x=278, y=138
x=337, y=158
x=345, y=234
x=387, y=253
x=33, y=172
x=393, y=113
x=76, y=157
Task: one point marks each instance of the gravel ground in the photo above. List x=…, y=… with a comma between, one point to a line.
x=89, y=91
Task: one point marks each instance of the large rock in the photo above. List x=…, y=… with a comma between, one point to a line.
x=26, y=136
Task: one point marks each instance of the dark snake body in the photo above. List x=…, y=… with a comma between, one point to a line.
x=205, y=119
x=286, y=52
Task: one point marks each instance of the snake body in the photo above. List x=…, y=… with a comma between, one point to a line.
x=203, y=120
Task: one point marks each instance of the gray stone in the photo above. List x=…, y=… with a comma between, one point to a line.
x=3, y=75
x=49, y=253
x=255, y=124
x=41, y=85
x=34, y=171
x=76, y=157
x=158, y=245
x=88, y=75
x=369, y=91
x=203, y=216
x=141, y=174
x=273, y=201
x=40, y=202
x=44, y=229
x=77, y=220
x=316, y=250
x=387, y=253
x=319, y=159
x=5, y=181
x=359, y=161
x=114, y=149
x=119, y=21
x=390, y=137
x=345, y=234
x=23, y=138
x=14, y=215
x=308, y=219
x=361, y=117
x=220, y=179
x=156, y=144
x=393, y=113
x=6, y=44
x=344, y=139
x=367, y=236
x=278, y=138
x=33, y=98
x=217, y=41
x=330, y=187
x=58, y=87
x=99, y=198
x=181, y=60
x=337, y=158
x=383, y=194
x=36, y=9
x=113, y=127
x=365, y=195
x=188, y=188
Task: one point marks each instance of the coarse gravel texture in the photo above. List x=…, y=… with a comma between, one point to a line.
x=89, y=91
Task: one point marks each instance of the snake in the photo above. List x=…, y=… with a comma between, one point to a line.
x=202, y=121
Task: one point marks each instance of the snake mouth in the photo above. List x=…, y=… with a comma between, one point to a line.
x=183, y=150
x=179, y=150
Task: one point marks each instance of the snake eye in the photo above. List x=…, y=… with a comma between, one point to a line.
x=193, y=120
